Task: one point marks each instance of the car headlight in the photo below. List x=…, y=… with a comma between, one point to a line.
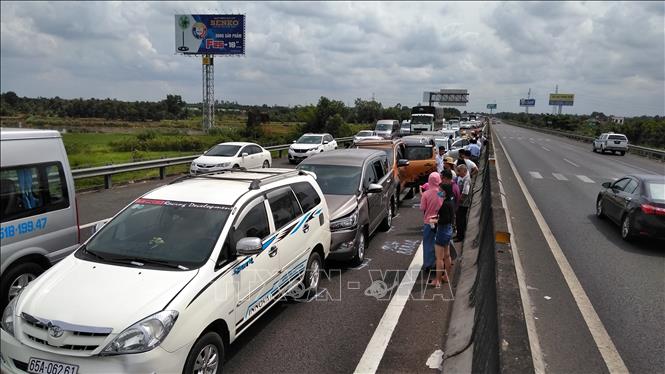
x=144, y=335
x=347, y=222
x=223, y=165
x=8, y=316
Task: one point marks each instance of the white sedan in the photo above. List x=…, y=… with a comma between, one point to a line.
x=365, y=134
x=225, y=156
x=310, y=144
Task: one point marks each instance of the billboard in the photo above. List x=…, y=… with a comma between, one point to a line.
x=210, y=34
x=562, y=99
x=448, y=97
x=491, y=106
x=527, y=102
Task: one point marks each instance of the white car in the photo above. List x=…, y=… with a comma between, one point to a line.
x=611, y=142
x=226, y=156
x=365, y=134
x=173, y=278
x=462, y=143
x=310, y=144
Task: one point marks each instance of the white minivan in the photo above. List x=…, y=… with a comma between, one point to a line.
x=173, y=278
x=37, y=206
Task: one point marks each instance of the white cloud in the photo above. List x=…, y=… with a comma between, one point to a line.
x=610, y=54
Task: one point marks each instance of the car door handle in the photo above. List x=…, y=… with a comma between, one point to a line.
x=305, y=228
x=273, y=251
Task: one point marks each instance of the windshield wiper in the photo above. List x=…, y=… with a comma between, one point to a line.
x=140, y=261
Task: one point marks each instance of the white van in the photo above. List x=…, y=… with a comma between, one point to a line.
x=37, y=206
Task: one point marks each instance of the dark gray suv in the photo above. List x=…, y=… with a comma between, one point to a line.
x=360, y=191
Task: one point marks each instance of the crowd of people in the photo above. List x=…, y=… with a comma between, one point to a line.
x=445, y=201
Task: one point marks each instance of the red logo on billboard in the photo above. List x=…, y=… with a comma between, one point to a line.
x=199, y=30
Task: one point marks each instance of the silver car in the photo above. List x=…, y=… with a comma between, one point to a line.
x=360, y=191
x=37, y=206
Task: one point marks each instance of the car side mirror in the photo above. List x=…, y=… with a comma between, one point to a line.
x=606, y=185
x=98, y=226
x=402, y=163
x=374, y=188
x=294, y=142
x=248, y=246
x=245, y=154
x=325, y=142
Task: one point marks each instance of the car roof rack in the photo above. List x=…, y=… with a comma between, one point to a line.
x=254, y=184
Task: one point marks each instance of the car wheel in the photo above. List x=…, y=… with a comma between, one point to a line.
x=292, y=161
x=206, y=356
x=236, y=166
x=599, y=208
x=312, y=275
x=594, y=149
x=622, y=153
x=266, y=164
x=14, y=280
x=388, y=221
x=360, y=250
x=626, y=227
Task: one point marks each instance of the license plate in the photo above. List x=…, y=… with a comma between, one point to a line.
x=39, y=366
x=617, y=142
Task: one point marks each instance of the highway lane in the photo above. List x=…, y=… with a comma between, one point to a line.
x=625, y=282
x=329, y=334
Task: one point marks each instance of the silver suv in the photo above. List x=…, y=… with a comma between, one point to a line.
x=360, y=191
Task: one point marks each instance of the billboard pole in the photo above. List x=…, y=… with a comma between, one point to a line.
x=208, y=91
x=528, y=96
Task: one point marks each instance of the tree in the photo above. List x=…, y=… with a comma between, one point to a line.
x=367, y=111
x=325, y=109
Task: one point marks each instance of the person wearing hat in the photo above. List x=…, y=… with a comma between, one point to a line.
x=449, y=164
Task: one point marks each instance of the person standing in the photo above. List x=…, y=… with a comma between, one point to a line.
x=430, y=202
x=464, y=183
x=444, y=232
x=439, y=159
x=450, y=141
x=449, y=164
x=474, y=151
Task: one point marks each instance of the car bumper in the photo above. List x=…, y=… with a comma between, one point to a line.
x=650, y=225
x=200, y=170
x=297, y=156
x=343, y=244
x=16, y=356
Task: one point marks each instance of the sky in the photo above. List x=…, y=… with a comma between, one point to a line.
x=610, y=55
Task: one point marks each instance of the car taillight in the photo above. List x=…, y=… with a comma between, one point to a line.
x=653, y=210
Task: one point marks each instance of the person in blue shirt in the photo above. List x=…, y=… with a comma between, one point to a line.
x=474, y=150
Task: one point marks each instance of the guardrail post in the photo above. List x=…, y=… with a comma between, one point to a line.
x=107, y=181
x=162, y=172
x=280, y=153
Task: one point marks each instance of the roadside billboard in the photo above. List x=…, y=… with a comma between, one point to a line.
x=527, y=102
x=562, y=99
x=491, y=106
x=210, y=34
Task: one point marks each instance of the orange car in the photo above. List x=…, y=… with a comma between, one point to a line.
x=420, y=150
x=395, y=150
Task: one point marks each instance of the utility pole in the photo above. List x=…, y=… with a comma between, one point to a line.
x=208, y=91
x=528, y=96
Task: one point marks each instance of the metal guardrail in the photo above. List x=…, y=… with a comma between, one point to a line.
x=108, y=171
x=654, y=153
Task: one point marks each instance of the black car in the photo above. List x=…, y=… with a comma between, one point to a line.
x=636, y=203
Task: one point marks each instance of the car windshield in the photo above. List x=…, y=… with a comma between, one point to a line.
x=310, y=139
x=172, y=232
x=406, y=125
x=383, y=126
x=656, y=191
x=335, y=179
x=223, y=150
x=418, y=153
x=365, y=133
x=421, y=119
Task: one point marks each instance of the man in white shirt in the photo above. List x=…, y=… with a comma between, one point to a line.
x=440, y=159
x=464, y=183
x=470, y=165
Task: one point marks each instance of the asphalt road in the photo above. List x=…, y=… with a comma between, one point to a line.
x=330, y=333
x=625, y=282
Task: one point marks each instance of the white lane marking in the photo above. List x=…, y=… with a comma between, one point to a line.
x=570, y=162
x=545, y=148
x=536, y=175
x=91, y=224
x=534, y=341
x=585, y=179
x=371, y=359
x=560, y=177
x=600, y=336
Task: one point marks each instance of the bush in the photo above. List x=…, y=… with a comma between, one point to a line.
x=146, y=135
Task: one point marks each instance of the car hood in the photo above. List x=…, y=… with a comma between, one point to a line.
x=102, y=295
x=213, y=160
x=304, y=146
x=341, y=205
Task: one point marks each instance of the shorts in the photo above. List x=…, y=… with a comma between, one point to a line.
x=443, y=234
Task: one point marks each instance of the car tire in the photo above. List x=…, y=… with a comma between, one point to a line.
x=207, y=352
x=292, y=162
x=361, y=248
x=594, y=149
x=16, y=278
x=599, y=208
x=266, y=164
x=622, y=153
x=236, y=166
x=388, y=220
x=312, y=275
x=627, y=227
